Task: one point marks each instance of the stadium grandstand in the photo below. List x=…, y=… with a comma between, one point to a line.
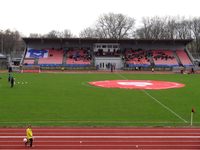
x=101, y=54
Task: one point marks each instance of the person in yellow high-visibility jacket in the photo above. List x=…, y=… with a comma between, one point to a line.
x=29, y=136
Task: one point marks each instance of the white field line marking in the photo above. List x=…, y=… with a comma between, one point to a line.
x=170, y=110
x=105, y=134
x=91, y=121
x=164, y=106
x=121, y=76
x=149, y=129
x=107, y=137
x=88, y=85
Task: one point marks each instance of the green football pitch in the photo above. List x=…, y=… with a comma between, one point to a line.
x=57, y=99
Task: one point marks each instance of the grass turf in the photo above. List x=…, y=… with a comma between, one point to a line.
x=68, y=100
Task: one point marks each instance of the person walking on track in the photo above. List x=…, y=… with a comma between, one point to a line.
x=29, y=136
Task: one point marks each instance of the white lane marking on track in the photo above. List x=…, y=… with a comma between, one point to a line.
x=101, y=134
x=105, y=129
x=106, y=141
x=164, y=106
x=107, y=137
x=121, y=145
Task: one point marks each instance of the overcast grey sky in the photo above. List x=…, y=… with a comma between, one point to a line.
x=42, y=16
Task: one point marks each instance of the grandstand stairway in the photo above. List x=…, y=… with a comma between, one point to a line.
x=184, y=58
x=189, y=56
x=64, y=57
x=151, y=61
x=177, y=58
x=36, y=61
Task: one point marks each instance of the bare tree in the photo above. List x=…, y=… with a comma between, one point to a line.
x=195, y=29
x=183, y=30
x=117, y=26
x=54, y=34
x=67, y=34
x=145, y=31
x=170, y=28
x=153, y=28
x=35, y=35
x=164, y=28
x=1, y=41
x=88, y=33
x=91, y=33
x=10, y=41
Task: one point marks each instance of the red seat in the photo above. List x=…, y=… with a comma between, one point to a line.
x=54, y=57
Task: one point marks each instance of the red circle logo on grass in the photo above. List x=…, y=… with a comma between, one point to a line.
x=137, y=84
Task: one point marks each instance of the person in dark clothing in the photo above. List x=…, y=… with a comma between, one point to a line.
x=111, y=67
x=9, y=77
x=9, y=69
x=182, y=71
x=12, y=82
x=192, y=70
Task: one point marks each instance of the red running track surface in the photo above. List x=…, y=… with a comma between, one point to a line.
x=102, y=138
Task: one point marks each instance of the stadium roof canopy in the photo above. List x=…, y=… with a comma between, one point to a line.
x=99, y=40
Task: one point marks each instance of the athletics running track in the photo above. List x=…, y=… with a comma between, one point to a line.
x=102, y=138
